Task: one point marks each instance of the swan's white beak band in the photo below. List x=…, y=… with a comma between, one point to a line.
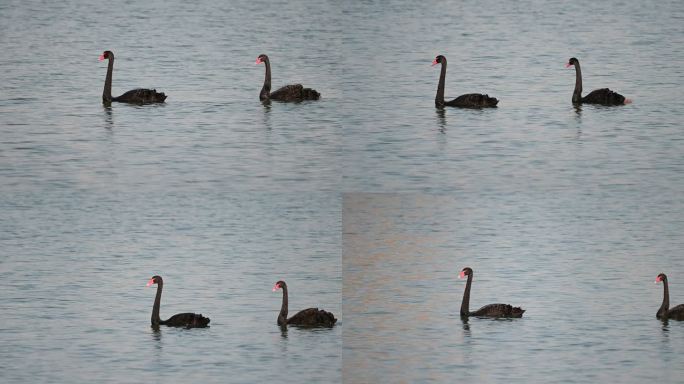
x=149, y=283
x=276, y=287
x=434, y=62
x=101, y=57
x=568, y=65
x=461, y=275
x=258, y=61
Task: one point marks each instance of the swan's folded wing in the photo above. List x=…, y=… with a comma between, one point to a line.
x=676, y=313
x=142, y=96
x=475, y=100
x=604, y=96
x=288, y=92
x=189, y=320
x=499, y=310
x=313, y=317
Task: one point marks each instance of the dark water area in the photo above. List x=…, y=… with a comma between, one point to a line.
x=367, y=202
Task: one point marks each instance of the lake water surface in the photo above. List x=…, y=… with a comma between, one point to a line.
x=367, y=202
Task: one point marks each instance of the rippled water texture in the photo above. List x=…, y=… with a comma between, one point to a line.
x=582, y=269
x=215, y=192
x=367, y=202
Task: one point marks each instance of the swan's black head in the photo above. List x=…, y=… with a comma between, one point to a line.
x=573, y=61
x=280, y=284
x=661, y=277
x=467, y=271
x=261, y=59
x=106, y=55
x=439, y=60
x=155, y=280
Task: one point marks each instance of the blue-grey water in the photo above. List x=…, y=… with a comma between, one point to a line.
x=568, y=212
x=583, y=269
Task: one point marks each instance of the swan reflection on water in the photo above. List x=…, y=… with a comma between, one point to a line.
x=441, y=119
x=109, y=117
x=466, y=326
x=578, y=109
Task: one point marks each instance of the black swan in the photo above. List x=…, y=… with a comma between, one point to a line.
x=311, y=317
x=490, y=310
x=292, y=92
x=603, y=96
x=470, y=100
x=135, y=96
x=187, y=320
x=665, y=313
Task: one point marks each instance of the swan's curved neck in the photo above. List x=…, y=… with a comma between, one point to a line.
x=465, y=304
x=107, y=93
x=439, y=98
x=666, y=300
x=266, y=89
x=157, y=301
x=282, y=316
x=577, y=93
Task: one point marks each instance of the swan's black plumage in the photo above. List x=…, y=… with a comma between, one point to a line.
x=292, y=92
x=603, y=96
x=310, y=317
x=470, y=100
x=665, y=312
x=135, y=96
x=490, y=310
x=186, y=320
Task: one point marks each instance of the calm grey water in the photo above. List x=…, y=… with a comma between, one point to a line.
x=584, y=270
x=568, y=212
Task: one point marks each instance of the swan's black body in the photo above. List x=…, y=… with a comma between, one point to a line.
x=470, y=100
x=490, y=310
x=665, y=312
x=135, y=96
x=603, y=96
x=311, y=317
x=292, y=92
x=186, y=320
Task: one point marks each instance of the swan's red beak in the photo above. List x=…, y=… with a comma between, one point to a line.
x=568, y=65
x=258, y=61
x=434, y=62
x=658, y=279
x=461, y=275
x=276, y=287
x=150, y=282
x=101, y=57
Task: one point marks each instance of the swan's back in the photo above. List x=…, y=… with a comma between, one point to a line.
x=473, y=100
x=187, y=320
x=141, y=96
x=294, y=92
x=499, y=310
x=676, y=313
x=313, y=317
x=604, y=96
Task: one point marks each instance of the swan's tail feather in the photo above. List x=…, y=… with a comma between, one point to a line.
x=199, y=321
x=160, y=96
x=310, y=94
x=517, y=312
x=329, y=317
x=490, y=101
